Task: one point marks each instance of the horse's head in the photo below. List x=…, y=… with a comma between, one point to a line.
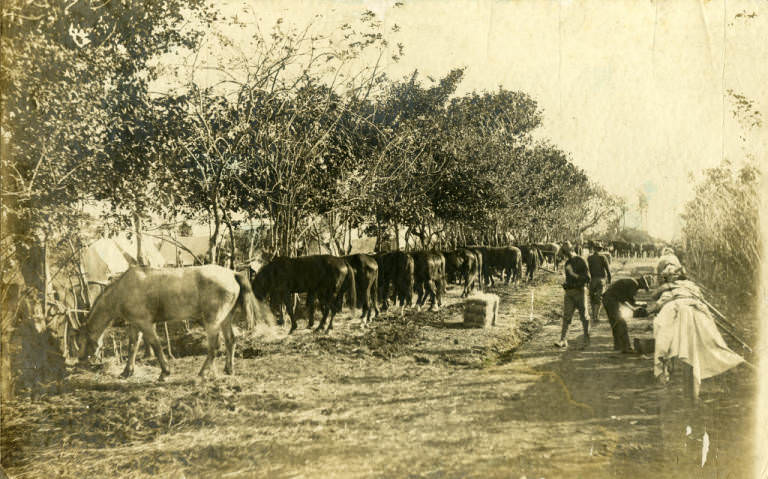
x=259, y=283
x=86, y=344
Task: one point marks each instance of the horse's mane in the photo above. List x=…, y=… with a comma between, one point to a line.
x=107, y=289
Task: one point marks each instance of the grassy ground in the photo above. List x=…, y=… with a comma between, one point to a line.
x=418, y=396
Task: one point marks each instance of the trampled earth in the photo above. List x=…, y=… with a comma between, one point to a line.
x=417, y=396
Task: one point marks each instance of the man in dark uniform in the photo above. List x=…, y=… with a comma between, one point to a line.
x=576, y=277
x=599, y=272
x=622, y=292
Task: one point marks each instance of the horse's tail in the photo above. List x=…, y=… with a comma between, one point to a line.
x=351, y=286
x=249, y=306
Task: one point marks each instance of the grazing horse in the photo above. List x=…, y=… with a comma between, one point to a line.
x=145, y=296
x=429, y=277
x=648, y=250
x=367, y=276
x=468, y=271
x=454, y=262
x=531, y=257
x=513, y=263
x=395, y=272
x=486, y=264
x=551, y=252
x=478, y=252
x=324, y=277
x=622, y=249
x=506, y=260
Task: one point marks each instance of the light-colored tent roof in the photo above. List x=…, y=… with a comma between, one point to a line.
x=108, y=257
x=149, y=251
x=197, y=244
x=104, y=259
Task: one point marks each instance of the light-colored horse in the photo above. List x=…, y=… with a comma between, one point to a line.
x=143, y=296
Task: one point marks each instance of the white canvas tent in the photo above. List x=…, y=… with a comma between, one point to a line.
x=104, y=259
x=108, y=257
x=152, y=256
x=174, y=255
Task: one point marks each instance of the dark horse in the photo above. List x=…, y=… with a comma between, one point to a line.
x=480, y=258
x=506, y=260
x=454, y=262
x=531, y=258
x=367, y=276
x=462, y=265
x=429, y=277
x=323, y=276
x=143, y=296
x=396, y=276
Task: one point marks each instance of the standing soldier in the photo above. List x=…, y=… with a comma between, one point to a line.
x=599, y=271
x=576, y=277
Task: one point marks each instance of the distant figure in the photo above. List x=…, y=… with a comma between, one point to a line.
x=599, y=272
x=622, y=293
x=669, y=267
x=576, y=277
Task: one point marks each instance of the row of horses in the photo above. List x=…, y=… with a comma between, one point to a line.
x=376, y=279
x=216, y=296
x=627, y=249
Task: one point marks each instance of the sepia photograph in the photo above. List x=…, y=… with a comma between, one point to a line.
x=383, y=239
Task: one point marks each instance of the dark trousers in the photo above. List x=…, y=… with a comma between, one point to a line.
x=618, y=324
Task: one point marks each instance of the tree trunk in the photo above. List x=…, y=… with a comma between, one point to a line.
x=251, y=242
x=137, y=229
x=231, y=244
x=349, y=235
x=377, y=248
x=46, y=278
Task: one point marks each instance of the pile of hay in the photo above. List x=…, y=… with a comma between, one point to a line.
x=480, y=310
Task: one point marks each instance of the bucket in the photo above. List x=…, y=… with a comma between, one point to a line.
x=644, y=346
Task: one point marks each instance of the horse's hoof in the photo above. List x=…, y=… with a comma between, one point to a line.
x=126, y=374
x=162, y=377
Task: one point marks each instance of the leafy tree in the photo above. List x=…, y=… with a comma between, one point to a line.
x=69, y=72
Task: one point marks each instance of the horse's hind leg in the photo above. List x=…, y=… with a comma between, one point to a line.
x=230, y=343
x=326, y=306
x=365, y=317
x=420, y=295
x=290, y=305
x=134, y=338
x=213, y=348
x=311, y=309
x=431, y=291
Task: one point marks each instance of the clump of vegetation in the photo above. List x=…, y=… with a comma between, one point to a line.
x=391, y=339
x=722, y=237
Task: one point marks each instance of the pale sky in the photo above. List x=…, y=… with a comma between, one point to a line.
x=633, y=90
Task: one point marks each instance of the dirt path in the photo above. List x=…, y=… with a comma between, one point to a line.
x=447, y=402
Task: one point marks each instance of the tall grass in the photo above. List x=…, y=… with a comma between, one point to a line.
x=721, y=231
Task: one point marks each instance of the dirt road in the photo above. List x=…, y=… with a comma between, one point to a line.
x=420, y=397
